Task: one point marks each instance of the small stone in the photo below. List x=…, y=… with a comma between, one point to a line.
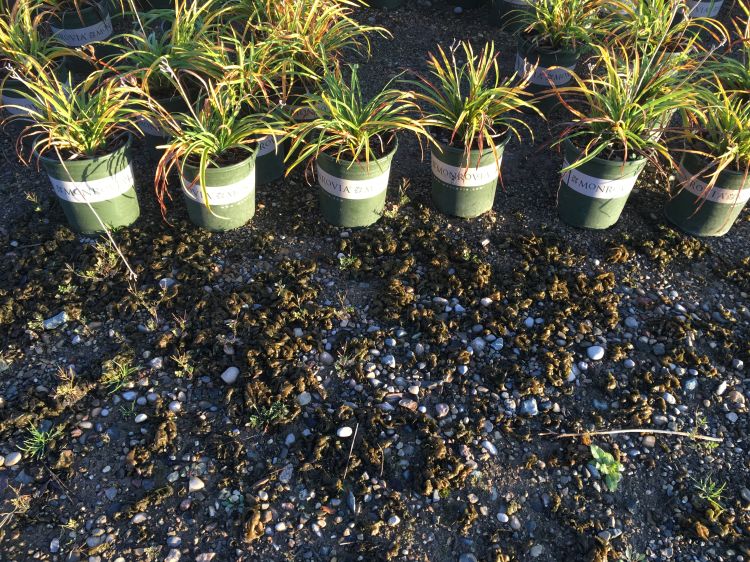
x=166, y=283
x=280, y=527
x=175, y=406
x=195, y=484
x=659, y=349
x=326, y=358
x=732, y=417
x=691, y=384
x=56, y=321
x=485, y=301
x=286, y=474
x=389, y=361
x=738, y=364
x=394, y=520
x=529, y=407
x=595, y=352
x=138, y=518
x=722, y=388
x=745, y=494
x=205, y=557
x=458, y=10
x=649, y=441
x=669, y=398
x=536, y=551
x=736, y=397
x=140, y=418
x=173, y=556
x=629, y=363
x=344, y=432
x=230, y=375
x=409, y=404
x=13, y=458
x=503, y=517
x=304, y=398
x=528, y=322
x=442, y=410
x=290, y=439
x=54, y=546
x=631, y=322
x=129, y=395
x=489, y=447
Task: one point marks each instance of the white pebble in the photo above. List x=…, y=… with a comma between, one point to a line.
x=344, y=432
x=230, y=375
x=140, y=418
x=195, y=484
x=595, y=352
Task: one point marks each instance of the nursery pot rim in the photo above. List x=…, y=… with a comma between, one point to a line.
x=443, y=148
x=524, y=41
x=228, y=168
x=350, y=164
x=569, y=146
x=103, y=158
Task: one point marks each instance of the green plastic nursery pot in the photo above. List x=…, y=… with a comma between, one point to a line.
x=100, y=187
x=269, y=163
x=352, y=194
x=12, y=102
x=152, y=133
x=231, y=195
x=707, y=213
x=464, y=185
x=528, y=56
x=594, y=194
x=503, y=13
x=389, y=4
x=76, y=28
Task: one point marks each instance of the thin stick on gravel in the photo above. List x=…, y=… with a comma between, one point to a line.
x=354, y=437
x=695, y=436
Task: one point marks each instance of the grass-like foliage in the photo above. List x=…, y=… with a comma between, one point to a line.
x=309, y=36
x=721, y=131
x=561, y=24
x=36, y=443
x=24, y=45
x=659, y=25
x=89, y=119
x=733, y=67
x=184, y=38
x=348, y=126
x=623, y=108
x=469, y=101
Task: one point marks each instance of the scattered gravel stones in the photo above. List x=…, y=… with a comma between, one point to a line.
x=304, y=398
x=140, y=418
x=230, y=375
x=489, y=447
x=56, y=321
x=529, y=407
x=394, y=520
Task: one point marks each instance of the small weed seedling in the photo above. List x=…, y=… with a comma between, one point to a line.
x=267, y=416
x=347, y=262
x=631, y=555
x=19, y=504
x=35, y=445
x=128, y=412
x=185, y=364
x=608, y=466
x=711, y=492
x=68, y=390
x=118, y=375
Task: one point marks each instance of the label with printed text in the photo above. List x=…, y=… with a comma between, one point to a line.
x=598, y=188
x=704, y=8
x=220, y=195
x=715, y=194
x=78, y=37
x=352, y=189
x=541, y=76
x=94, y=191
x=464, y=176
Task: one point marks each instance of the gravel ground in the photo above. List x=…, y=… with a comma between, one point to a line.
x=291, y=391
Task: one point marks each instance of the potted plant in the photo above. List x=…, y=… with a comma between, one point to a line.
x=658, y=24
x=80, y=24
x=504, y=13
x=714, y=173
x=473, y=113
x=81, y=136
x=185, y=39
x=309, y=37
x=620, y=113
x=353, y=140
x=212, y=148
x=553, y=35
x=25, y=50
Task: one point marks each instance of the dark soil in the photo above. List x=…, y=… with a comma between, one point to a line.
x=450, y=348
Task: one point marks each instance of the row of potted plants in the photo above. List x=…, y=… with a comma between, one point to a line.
x=237, y=92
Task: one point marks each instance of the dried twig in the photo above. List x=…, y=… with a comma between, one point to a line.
x=354, y=437
x=695, y=436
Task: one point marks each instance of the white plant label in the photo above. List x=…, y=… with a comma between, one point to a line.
x=302, y=113
x=94, y=191
x=220, y=195
x=715, y=194
x=81, y=36
x=464, y=176
x=267, y=145
x=352, y=189
x=704, y=8
x=598, y=188
x=542, y=76
x=17, y=106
